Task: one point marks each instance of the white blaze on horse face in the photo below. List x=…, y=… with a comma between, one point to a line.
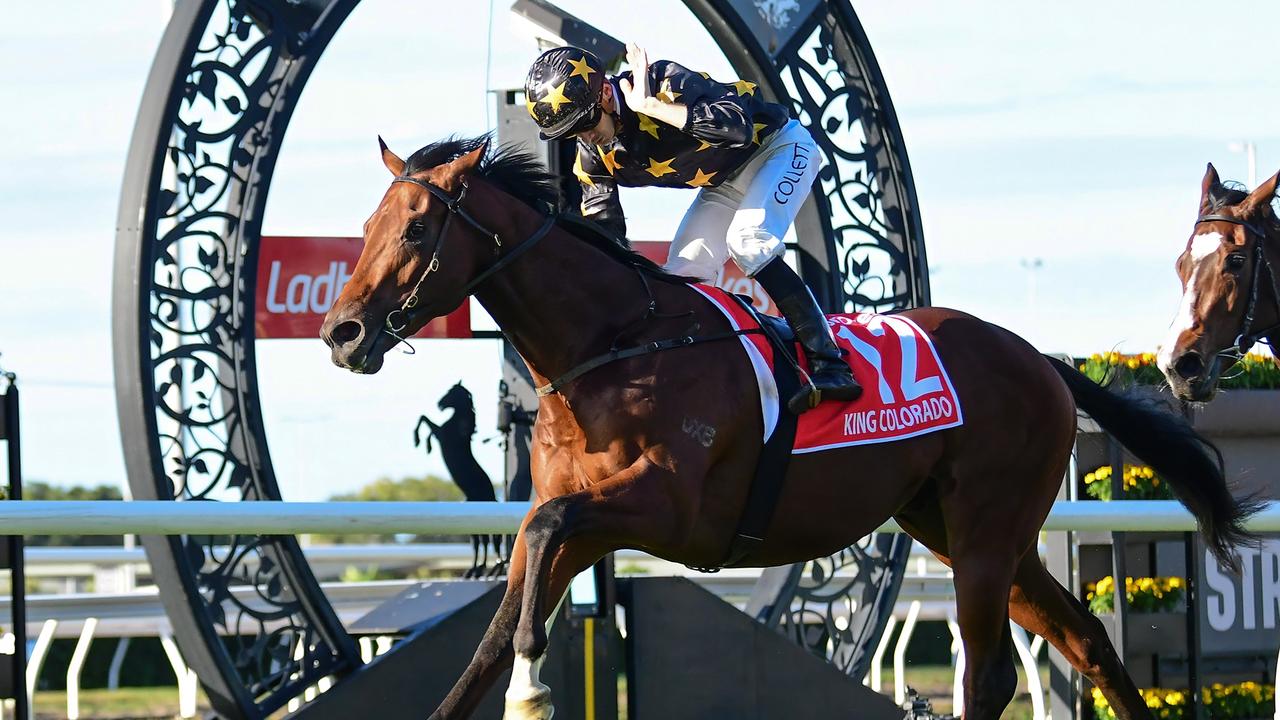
x=1202, y=247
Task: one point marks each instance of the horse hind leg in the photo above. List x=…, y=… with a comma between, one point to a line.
x=1041, y=605
x=982, y=581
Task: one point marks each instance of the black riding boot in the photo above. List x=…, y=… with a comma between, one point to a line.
x=829, y=374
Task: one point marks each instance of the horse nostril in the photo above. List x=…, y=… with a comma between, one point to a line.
x=345, y=332
x=1189, y=366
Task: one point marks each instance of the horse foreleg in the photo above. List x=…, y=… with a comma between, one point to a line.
x=527, y=697
x=494, y=654
x=564, y=537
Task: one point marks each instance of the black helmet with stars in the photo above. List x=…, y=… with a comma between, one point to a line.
x=562, y=91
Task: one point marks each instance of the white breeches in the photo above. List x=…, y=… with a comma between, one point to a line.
x=747, y=216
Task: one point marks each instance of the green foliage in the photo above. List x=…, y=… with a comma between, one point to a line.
x=409, y=489
x=1253, y=372
x=1242, y=701
x=1145, y=594
x=44, y=491
x=1140, y=483
x=429, y=488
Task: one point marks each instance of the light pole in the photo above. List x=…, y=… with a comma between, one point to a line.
x=1251, y=154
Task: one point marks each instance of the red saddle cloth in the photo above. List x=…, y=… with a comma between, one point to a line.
x=905, y=389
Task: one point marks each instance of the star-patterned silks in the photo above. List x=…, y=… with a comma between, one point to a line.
x=581, y=174
x=667, y=94
x=609, y=158
x=581, y=69
x=647, y=152
x=647, y=125
x=530, y=104
x=555, y=97
x=658, y=169
x=700, y=179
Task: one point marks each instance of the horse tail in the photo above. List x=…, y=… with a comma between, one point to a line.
x=1190, y=463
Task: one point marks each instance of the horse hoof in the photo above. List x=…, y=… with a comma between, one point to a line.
x=537, y=707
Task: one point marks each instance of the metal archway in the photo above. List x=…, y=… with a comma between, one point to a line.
x=219, y=98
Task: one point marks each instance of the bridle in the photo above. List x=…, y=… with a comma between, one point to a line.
x=397, y=320
x=1247, y=336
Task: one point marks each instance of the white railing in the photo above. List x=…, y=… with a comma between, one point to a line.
x=159, y=517
x=922, y=594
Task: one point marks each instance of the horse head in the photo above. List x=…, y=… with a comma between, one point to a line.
x=1230, y=291
x=458, y=398
x=416, y=262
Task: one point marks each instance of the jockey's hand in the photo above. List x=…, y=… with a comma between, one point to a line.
x=637, y=95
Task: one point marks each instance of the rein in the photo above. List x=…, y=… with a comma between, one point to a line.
x=397, y=320
x=1246, y=339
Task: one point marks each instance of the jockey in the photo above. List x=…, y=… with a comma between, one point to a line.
x=664, y=125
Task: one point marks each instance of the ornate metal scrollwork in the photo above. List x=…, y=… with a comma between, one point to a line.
x=226, y=105
x=864, y=185
x=838, y=606
x=223, y=87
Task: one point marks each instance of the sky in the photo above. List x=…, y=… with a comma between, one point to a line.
x=1069, y=135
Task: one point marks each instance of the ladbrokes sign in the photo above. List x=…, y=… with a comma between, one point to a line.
x=299, y=278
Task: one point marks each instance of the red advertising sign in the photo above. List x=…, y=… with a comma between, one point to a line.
x=299, y=278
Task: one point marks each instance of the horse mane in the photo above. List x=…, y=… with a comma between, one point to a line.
x=523, y=176
x=1230, y=192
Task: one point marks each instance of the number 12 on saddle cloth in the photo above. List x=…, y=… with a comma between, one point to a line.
x=906, y=390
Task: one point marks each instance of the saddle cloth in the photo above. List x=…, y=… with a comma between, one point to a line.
x=906, y=390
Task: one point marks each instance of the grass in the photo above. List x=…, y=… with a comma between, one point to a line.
x=934, y=682
x=149, y=703
x=155, y=703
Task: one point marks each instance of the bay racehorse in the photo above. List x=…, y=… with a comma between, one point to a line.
x=613, y=468
x=1230, y=290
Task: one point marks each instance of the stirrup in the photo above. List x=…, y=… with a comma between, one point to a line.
x=807, y=398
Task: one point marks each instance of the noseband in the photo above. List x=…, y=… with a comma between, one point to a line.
x=397, y=320
x=1246, y=338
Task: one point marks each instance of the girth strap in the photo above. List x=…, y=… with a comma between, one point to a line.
x=775, y=456
x=652, y=347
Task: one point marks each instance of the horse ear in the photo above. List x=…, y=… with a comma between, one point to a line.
x=467, y=164
x=393, y=162
x=1206, y=186
x=1263, y=195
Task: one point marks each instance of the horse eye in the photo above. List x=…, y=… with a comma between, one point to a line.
x=1235, y=261
x=415, y=231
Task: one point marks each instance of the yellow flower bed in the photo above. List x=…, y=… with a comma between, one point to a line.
x=1140, y=483
x=1144, y=594
x=1253, y=371
x=1221, y=702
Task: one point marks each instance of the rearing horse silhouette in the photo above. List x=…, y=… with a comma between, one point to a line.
x=455, y=436
x=612, y=468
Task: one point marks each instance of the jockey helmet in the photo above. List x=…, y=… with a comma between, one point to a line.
x=562, y=91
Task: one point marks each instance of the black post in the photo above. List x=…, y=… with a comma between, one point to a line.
x=17, y=590
x=1193, y=624
x=1119, y=572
